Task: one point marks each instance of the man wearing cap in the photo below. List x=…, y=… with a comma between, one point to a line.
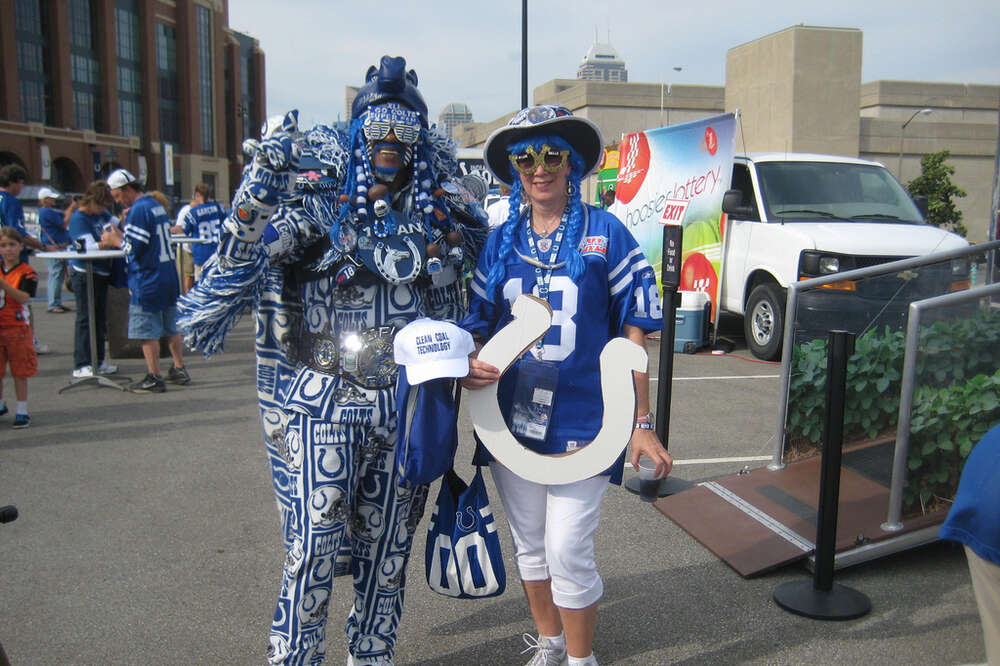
x=152, y=281
x=54, y=230
x=335, y=259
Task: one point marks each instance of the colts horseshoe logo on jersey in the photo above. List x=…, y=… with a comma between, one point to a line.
x=397, y=258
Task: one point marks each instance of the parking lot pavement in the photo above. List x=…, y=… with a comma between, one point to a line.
x=148, y=535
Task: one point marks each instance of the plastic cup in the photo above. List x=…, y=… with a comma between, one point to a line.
x=649, y=482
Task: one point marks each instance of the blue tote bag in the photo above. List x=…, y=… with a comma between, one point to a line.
x=463, y=557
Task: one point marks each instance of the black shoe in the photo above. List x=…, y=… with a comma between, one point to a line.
x=178, y=376
x=149, y=384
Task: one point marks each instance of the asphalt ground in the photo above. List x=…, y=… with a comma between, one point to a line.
x=148, y=534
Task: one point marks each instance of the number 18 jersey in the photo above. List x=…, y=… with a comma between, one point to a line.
x=618, y=287
x=152, y=276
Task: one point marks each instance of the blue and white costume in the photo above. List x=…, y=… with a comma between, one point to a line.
x=331, y=279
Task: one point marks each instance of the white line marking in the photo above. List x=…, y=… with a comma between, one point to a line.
x=764, y=519
x=710, y=461
x=692, y=379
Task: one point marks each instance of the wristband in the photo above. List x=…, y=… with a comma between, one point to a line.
x=644, y=426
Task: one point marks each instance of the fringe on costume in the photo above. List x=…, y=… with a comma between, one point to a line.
x=215, y=305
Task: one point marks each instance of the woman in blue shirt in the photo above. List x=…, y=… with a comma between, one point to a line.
x=86, y=224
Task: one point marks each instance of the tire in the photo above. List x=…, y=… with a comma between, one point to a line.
x=764, y=321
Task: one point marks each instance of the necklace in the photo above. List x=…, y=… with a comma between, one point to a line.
x=547, y=227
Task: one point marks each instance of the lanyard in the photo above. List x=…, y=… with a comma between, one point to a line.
x=544, y=278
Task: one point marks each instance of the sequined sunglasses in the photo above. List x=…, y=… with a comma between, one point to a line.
x=550, y=159
x=405, y=124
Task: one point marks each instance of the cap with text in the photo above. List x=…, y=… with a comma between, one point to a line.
x=432, y=349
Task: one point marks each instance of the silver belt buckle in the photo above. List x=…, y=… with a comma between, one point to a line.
x=366, y=357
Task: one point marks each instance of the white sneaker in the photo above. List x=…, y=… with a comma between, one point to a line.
x=546, y=653
x=83, y=371
x=41, y=348
x=106, y=368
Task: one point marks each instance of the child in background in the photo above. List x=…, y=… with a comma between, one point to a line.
x=18, y=283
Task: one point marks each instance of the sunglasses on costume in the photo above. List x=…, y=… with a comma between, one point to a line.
x=550, y=159
x=403, y=123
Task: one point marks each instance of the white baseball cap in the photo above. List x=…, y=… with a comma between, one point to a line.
x=47, y=193
x=432, y=349
x=120, y=178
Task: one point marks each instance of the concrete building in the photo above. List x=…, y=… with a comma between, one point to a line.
x=602, y=64
x=453, y=115
x=161, y=87
x=800, y=90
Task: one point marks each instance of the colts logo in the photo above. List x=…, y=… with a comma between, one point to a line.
x=461, y=567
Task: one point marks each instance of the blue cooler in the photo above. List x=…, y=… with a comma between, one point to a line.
x=691, y=322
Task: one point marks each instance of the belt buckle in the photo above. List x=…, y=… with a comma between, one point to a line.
x=366, y=357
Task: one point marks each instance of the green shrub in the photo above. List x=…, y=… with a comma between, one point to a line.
x=957, y=400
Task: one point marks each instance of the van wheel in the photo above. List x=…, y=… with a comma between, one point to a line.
x=764, y=321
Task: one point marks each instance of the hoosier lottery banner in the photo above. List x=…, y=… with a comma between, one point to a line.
x=677, y=175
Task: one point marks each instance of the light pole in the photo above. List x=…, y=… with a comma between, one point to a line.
x=676, y=69
x=902, y=131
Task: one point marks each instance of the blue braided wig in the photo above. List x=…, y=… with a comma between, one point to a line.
x=574, y=224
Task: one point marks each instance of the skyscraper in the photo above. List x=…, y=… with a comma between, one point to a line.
x=602, y=64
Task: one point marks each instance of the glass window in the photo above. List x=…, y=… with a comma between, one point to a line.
x=80, y=18
x=205, y=79
x=166, y=69
x=31, y=65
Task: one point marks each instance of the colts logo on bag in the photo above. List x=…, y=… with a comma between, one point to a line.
x=462, y=567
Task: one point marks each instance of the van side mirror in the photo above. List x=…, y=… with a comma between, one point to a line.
x=732, y=205
x=922, y=205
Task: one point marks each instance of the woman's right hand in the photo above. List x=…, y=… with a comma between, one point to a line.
x=481, y=375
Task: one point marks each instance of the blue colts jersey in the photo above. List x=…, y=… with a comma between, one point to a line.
x=203, y=221
x=618, y=287
x=152, y=275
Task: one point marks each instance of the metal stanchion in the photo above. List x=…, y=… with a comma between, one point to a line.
x=670, y=278
x=822, y=599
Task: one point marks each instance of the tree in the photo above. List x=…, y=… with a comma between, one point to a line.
x=934, y=182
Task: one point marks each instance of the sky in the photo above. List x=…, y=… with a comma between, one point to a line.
x=466, y=51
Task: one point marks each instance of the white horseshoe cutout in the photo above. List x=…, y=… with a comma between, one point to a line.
x=620, y=357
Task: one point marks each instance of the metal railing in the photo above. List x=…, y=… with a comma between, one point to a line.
x=777, y=461
x=893, y=522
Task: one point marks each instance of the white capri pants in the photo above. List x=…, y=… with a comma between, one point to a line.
x=553, y=528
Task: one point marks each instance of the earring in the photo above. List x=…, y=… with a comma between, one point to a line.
x=570, y=189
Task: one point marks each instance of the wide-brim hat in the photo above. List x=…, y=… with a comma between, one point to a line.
x=579, y=132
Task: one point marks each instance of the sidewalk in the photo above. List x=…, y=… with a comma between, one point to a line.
x=148, y=535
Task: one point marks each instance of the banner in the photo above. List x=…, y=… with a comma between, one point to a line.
x=677, y=175
x=46, y=158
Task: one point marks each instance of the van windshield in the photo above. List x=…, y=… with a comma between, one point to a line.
x=833, y=190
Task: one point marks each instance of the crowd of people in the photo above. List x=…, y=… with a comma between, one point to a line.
x=142, y=230
x=333, y=268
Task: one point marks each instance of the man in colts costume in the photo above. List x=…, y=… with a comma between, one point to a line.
x=336, y=254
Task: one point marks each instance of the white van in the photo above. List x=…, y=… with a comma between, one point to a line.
x=796, y=216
